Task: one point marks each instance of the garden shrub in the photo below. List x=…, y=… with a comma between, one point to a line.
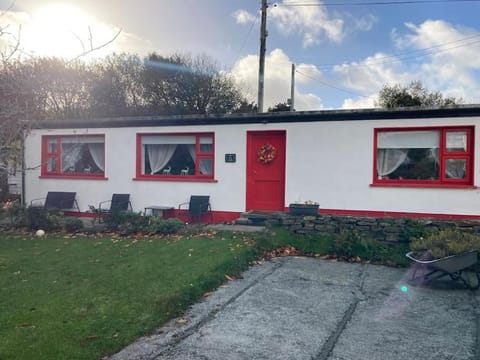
x=350, y=243
x=37, y=218
x=446, y=242
x=415, y=228
x=54, y=220
x=18, y=215
x=158, y=225
x=40, y=218
x=73, y=225
x=126, y=222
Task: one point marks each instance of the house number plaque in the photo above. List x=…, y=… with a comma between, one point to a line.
x=230, y=158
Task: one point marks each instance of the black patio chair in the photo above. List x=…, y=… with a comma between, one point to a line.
x=118, y=203
x=57, y=201
x=198, y=206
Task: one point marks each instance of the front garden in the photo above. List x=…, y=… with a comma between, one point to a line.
x=83, y=295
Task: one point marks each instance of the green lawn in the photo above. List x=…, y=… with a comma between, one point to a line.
x=79, y=297
x=64, y=297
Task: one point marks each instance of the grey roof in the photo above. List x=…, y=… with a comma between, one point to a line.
x=274, y=117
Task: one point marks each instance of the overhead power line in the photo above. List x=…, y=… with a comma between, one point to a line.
x=330, y=85
x=406, y=55
x=375, y=3
x=413, y=54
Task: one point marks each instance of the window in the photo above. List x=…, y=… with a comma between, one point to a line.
x=429, y=156
x=73, y=155
x=175, y=156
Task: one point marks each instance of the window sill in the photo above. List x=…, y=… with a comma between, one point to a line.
x=73, y=177
x=175, y=179
x=427, y=186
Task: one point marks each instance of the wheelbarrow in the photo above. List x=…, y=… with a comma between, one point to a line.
x=462, y=267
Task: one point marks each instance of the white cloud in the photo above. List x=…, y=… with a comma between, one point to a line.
x=310, y=22
x=277, y=80
x=243, y=17
x=442, y=56
x=367, y=102
x=38, y=37
x=364, y=23
x=372, y=73
x=451, y=63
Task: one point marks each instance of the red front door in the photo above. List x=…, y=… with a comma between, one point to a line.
x=266, y=170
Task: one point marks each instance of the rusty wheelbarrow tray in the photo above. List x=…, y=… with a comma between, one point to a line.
x=462, y=267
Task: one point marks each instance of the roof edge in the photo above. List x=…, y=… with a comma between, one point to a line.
x=264, y=118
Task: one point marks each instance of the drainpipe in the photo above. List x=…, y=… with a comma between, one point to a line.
x=22, y=194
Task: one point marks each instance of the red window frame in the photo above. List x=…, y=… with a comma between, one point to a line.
x=444, y=155
x=56, y=156
x=198, y=156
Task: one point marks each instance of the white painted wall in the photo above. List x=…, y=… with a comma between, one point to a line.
x=328, y=162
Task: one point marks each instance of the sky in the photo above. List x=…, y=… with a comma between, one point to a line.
x=344, y=51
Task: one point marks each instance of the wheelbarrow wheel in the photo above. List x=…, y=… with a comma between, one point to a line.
x=471, y=279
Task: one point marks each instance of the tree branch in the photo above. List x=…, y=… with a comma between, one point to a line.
x=94, y=48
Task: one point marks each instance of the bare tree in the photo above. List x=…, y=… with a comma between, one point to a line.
x=36, y=89
x=181, y=84
x=117, y=88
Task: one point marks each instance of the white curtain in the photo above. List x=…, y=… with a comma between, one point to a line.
x=70, y=156
x=159, y=155
x=389, y=160
x=457, y=140
x=97, y=151
x=206, y=166
x=455, y=169
x=191, y=151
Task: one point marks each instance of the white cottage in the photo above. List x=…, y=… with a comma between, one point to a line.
x=414, y=162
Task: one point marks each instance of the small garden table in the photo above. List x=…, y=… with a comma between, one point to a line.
x=163, y=211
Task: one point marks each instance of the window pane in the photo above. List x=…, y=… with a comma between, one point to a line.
x=52, y=146
x=456, y=141
x=408, y=139
x=51, y=165
x=168, y=139
x=206, y=166
x=455, y=168
x=410, y=164
x=171, y=159
x=206, y=148
x=82, y=139
x=206, y=144
x=87, y=158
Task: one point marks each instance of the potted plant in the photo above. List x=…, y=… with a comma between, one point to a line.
x=307, y=208
x=447, y=252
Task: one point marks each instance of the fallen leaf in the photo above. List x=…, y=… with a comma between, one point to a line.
x=207, y=294
x=182, y=321
x=26, y=325
x=229, y=278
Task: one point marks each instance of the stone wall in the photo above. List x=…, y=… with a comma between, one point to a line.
x=385, y=229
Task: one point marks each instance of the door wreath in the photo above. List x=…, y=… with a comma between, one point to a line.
x=266, y=154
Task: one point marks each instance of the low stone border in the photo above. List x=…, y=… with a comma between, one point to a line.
x=384, y=229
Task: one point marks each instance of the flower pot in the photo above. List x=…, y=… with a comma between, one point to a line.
x=303, y=209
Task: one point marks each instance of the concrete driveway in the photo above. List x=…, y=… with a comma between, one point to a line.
x=306, y=308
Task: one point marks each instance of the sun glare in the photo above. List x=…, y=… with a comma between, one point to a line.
x=62, y=30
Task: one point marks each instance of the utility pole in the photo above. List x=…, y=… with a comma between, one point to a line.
x=292, y=90
x=261, y=65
